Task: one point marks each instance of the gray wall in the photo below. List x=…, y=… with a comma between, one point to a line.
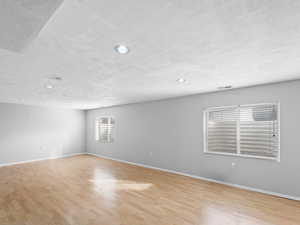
x=169, y=134
x=29, y=132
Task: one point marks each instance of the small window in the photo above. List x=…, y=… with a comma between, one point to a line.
x=104, y=129
x=244, y=130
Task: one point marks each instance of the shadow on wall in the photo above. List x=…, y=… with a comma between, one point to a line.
x=21, y=21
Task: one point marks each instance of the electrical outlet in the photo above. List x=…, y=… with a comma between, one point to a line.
x=233, y=164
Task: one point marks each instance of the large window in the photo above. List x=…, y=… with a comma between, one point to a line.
x=244, y=130
x=104, y=129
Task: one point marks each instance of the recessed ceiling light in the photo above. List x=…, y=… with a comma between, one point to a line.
x=122, y=49
x=49, y=86
x=181, y=80
x=225, y=87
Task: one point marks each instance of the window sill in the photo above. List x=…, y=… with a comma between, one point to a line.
x=243, y=156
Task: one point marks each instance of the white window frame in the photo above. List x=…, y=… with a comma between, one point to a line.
x=205, y=136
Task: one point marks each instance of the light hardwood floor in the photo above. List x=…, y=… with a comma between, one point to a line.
x=86, y=190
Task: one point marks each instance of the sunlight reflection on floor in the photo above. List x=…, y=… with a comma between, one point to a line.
x=214, y=214
x=120, y=184
x=107, y=185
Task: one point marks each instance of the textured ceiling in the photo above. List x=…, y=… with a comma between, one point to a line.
x=210, y=43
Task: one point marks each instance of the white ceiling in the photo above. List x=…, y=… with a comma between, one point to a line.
x=210, y=43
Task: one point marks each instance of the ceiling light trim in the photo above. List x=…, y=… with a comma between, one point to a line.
x=122, y=49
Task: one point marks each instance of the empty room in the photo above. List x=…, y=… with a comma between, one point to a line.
x=140, y=112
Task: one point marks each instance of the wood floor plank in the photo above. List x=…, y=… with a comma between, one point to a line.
x=86, y=190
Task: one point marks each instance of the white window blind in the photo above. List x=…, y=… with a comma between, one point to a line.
x=104, y=129
x=222, y=130
x=245, y=130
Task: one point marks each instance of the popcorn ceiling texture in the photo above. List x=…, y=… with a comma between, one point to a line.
x=209, y=43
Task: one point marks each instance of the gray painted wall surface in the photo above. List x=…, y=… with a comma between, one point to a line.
x=29, y=132
x=169, y=134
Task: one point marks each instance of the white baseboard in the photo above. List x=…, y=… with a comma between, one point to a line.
x=41, y=159
x=202, y=178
